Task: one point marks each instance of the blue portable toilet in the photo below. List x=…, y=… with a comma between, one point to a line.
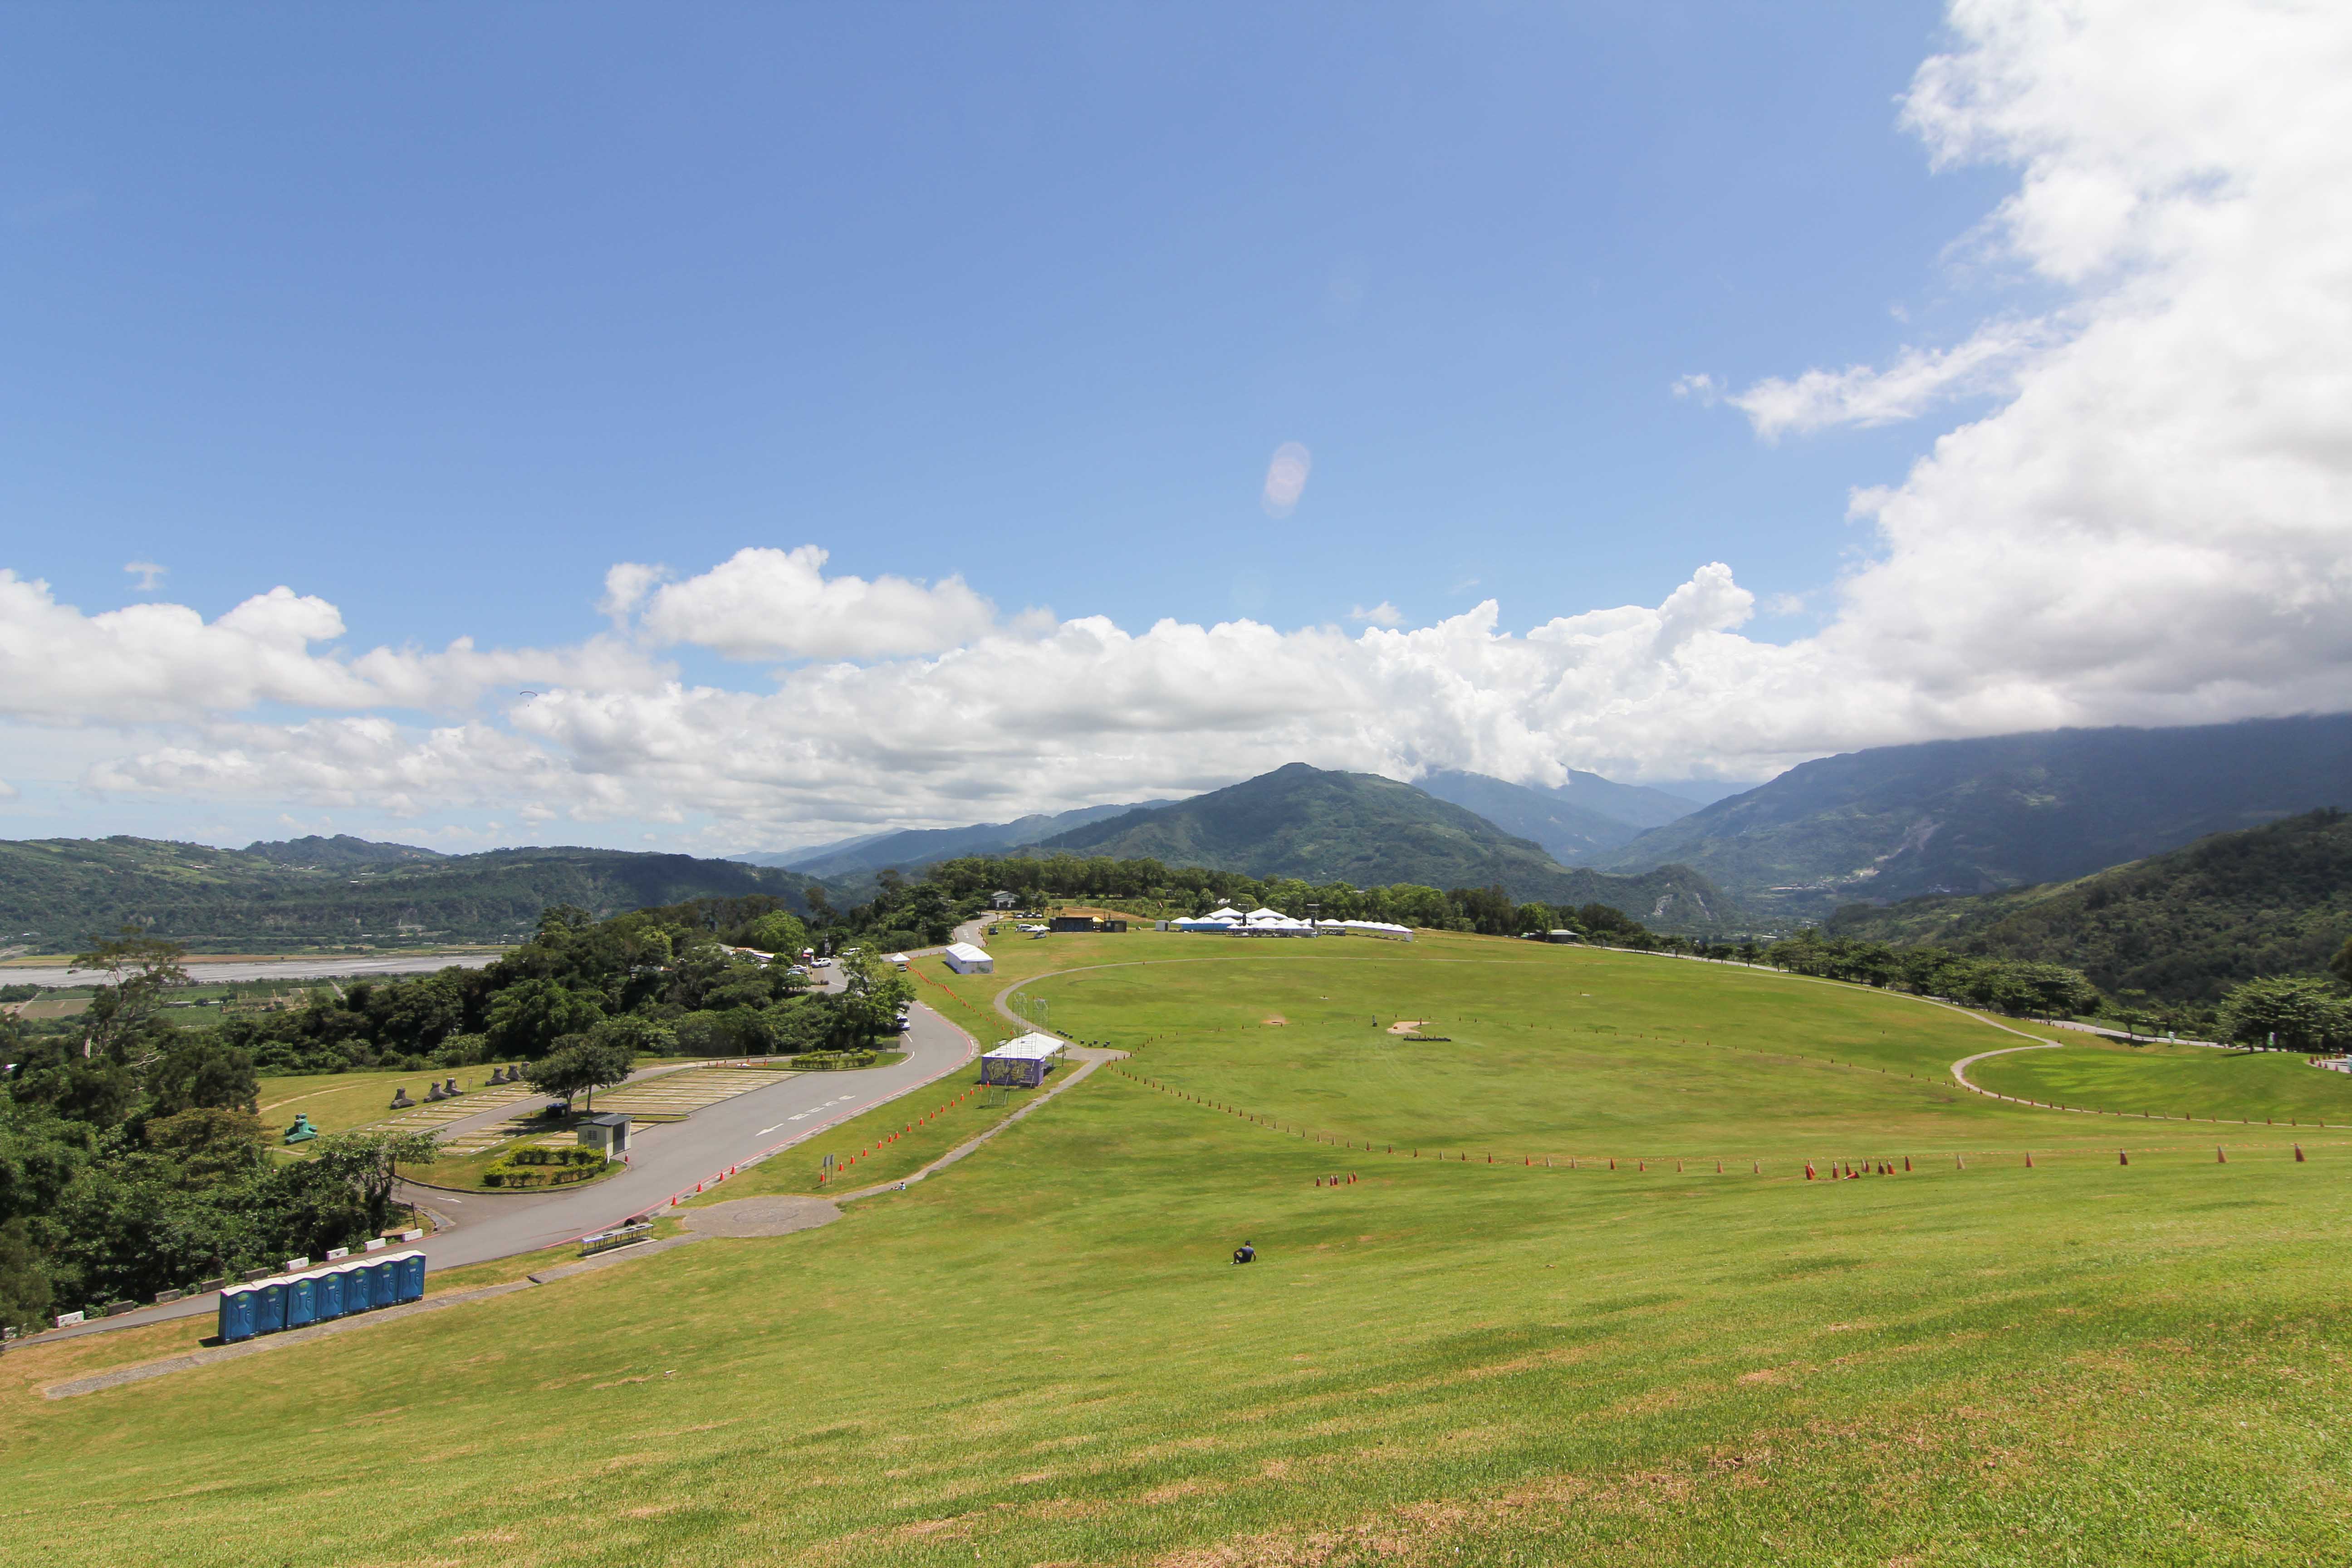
x=301, y=1300
x=383, y=1281
x=330, y=1293
x=236, y=1304
x=359, y=1291
x=411, y=1267
x=269, y=1306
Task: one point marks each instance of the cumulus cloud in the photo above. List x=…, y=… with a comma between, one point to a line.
x=764, y=604
x=150, y=575
x=1381, y=615
x=2151, y=524
x=147, y=663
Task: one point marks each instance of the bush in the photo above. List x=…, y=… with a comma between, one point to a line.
x=537, y=1166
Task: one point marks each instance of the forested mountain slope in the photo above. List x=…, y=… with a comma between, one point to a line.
x=1973, y=816
x=2184, y=926
x=57, y=894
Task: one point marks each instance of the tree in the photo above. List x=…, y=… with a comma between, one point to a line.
x=871, y=993
x=196, y=1072
x=2340, y=965
x=640, y=1037
x=580, y=1063
x=139, y=969
x=368, y=1165
x=2296, y=1012
x=527, y=1019
x=209, y=1144
x=778, y=932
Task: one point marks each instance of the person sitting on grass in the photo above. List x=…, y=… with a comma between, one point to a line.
x=1245, y=1253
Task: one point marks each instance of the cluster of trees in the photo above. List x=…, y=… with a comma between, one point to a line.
x=132, y=1159
x=963, y=885
x=650, y=983
x=2000, y=985
x=2291, y=1012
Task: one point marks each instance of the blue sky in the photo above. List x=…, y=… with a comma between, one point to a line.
x=437, y=312
x=843, y=418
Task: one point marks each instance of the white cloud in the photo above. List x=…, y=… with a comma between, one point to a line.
x=764, y=604
x=2153, y=525
x=148, y=663
x=150, y=575
x=1381, y=615
x=1286, y=478
x=1915, y=382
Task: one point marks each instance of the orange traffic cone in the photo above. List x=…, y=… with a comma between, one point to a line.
x=2298, y=1154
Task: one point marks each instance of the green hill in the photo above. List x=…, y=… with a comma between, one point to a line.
x=2184, y=926
x=1359, y=828
x=56, y=894
x=1974, y=817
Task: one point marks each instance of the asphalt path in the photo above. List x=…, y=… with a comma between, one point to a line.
x=664, y=1159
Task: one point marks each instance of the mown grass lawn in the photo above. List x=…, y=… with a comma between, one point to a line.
x=1044, y=1357
x=2175, y=1081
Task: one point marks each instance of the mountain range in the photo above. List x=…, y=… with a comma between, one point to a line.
x=1574, y=822
x=1365, y=830
x=1973, y=816
x=2183, y=926
x=917, y=846
x=58, y=894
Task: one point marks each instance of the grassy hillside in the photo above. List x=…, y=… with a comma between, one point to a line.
x=2184, y=927
x=60, y=893
x=1326, y=826
x=1974, y=817
x=1042, y=1355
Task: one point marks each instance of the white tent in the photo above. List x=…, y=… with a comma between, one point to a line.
x=966, y=959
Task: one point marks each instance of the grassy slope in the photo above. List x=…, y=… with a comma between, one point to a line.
x=1042, y=1357
x=2175, y=1081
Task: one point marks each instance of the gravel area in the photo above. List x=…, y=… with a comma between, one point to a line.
x=774, y=1216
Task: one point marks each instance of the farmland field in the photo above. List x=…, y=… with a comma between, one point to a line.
x=1043, y=1356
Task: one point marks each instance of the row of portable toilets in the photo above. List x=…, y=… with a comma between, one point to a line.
x=338, y=1291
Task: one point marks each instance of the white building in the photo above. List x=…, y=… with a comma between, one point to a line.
x=966, y=959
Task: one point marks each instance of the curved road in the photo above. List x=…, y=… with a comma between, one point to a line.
x=664, y=1159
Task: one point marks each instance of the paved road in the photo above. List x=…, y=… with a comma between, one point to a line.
x=664, y=1159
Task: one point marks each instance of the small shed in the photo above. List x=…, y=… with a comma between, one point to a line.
x=1562, y=936
x=1024, y=1061
x=608, y=1134
x=965, y=959
x=1074, y=923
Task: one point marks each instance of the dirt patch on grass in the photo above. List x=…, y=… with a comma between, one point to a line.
x=1276, y=1021
x=1408, y=1025
x=772, y=1215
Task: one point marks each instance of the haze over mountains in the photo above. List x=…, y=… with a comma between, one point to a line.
x=1971, y=817
x=1365, y=830
x=922, y=846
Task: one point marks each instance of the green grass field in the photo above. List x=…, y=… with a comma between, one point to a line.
x=2175, y=1081
x=1042, y=1356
